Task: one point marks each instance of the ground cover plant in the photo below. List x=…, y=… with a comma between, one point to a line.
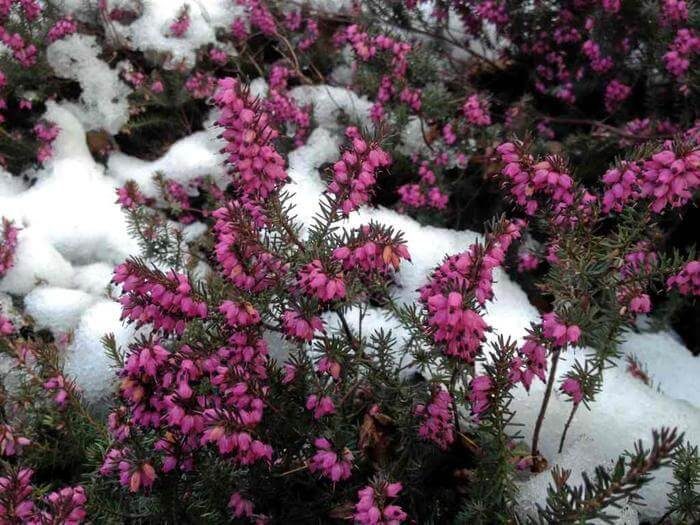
x=372, y=261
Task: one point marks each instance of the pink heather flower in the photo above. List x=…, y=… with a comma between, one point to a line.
x=129, y=196
x=290, y=373
x=412, y=98
x=310, y=35
x=321, y=406
x=458, y=327
x=412, y=196
x=611, y=6
x=136, y=476
x=640, y=304
x=684, y=46
x=326, y=365
x=296, y=326
x=453, y=322
x=670, y=178
x=437, y=199
x=615, y=93
x=181, y=24
x=118, y=424
x=674, y=11
x=599, y=63
x=218, y=56
x=448, y=134
x=10, y=443
x=221, y=429
x=527, y=262
x=8, y=245
x=687, y=281
x=239, y=315
x=437, y=419
x=6, y=326
x=476, y=111
x=239, y=31
x=46, y=132
x=245, y=263
x=372, y=507
x=479, y=389
x=201, y=85
x=572, y=388
x=57, y=385
x=492, y=11
x=354, y=175
x=25, y=54
x=362, y=44
x=260, y=16
x=544, y=130
x=533, y=357
x=622, y=184
x=292, y=20
x=240, y=507
x=336, y=466
x=258, y=167
x=111, y=461
x=67, y=505
x=135, y=78
x=31, y=8
x=526, y=180
x=559, y=333
x=62, y=28
x=163, y=300
x=314, y=280
x=282, y=108
x=16, y=505
x=370, y=250
x=157, y=87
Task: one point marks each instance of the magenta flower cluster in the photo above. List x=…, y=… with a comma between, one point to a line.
x=355, y=174
x=166, y=301
x=19, y=504
x=8, y=245
x=374, y=508
x=455, y=322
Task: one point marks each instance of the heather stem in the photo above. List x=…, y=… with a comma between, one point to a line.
x=566, y=427
x=545, y=402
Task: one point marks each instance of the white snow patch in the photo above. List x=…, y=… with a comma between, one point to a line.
x=151, y=31
x=103, y=102
x=93, y=278
x=196, y=155
x=86, y=360
x=36, y=261
x=57, y=308
x=329, y=102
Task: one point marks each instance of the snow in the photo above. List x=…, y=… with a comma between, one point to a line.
x=330, y=102
x=103, y=102
x=56, y=308
x=150, y=32
x=69, y=217
x=36, y=261
x=70, y=189
x=191, y=157
x=93, y=278
x=86, y=359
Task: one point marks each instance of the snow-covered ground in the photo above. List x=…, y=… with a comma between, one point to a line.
x=73, y=233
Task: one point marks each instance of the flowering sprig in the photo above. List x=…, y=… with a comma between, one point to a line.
x=8, y=245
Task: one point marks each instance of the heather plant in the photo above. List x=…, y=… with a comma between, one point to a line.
x=365, y=406
x=280, y=370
